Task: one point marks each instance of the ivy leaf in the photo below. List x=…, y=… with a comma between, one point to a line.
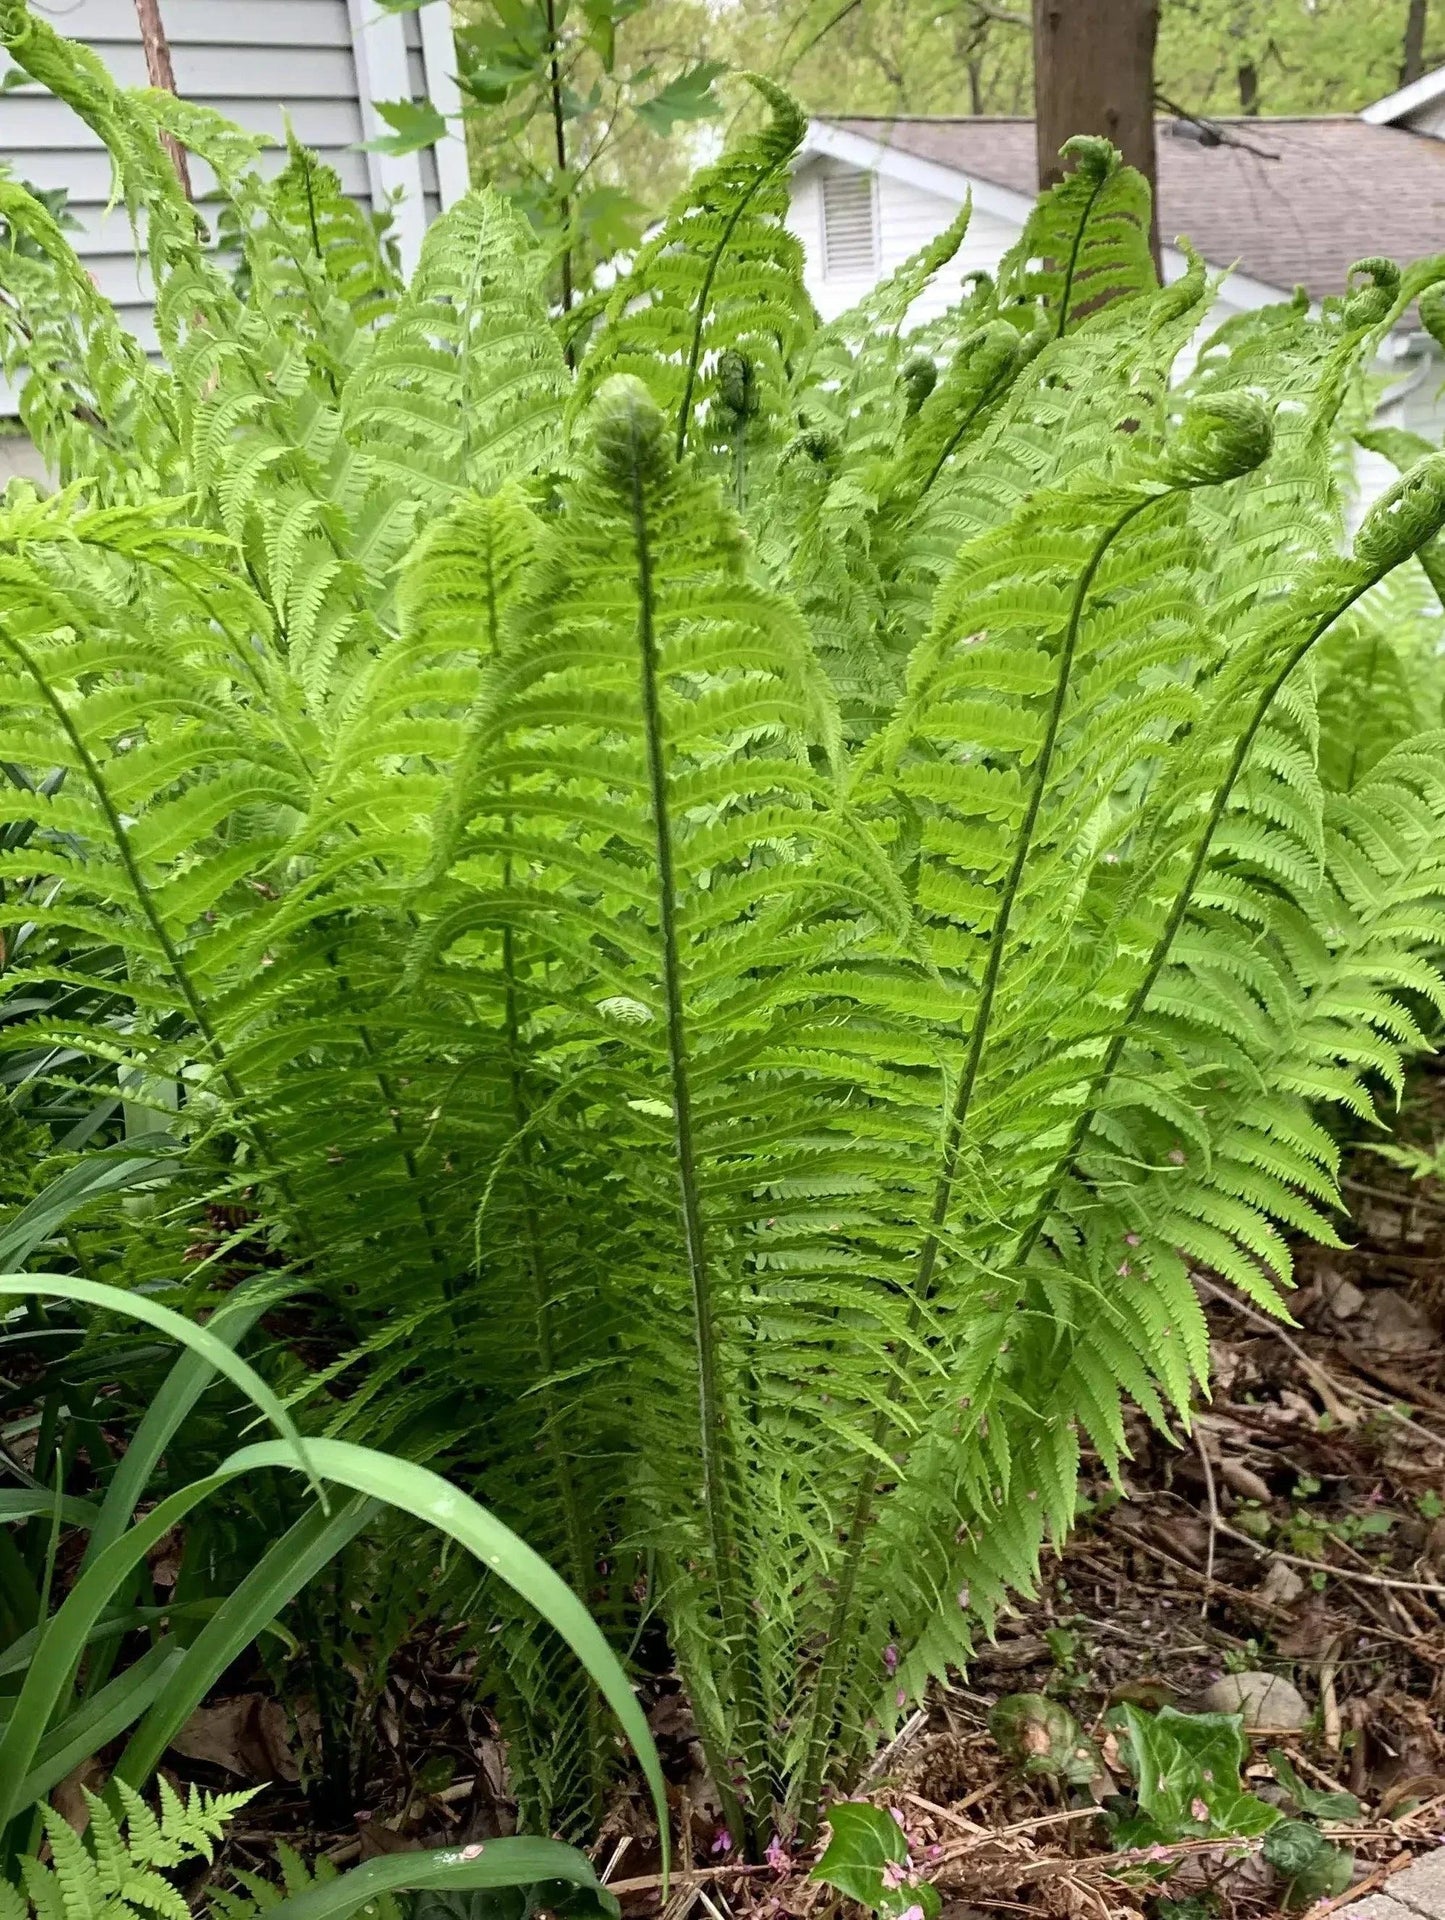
x=417, y=124
x=1187, y=1770
x=867, y=1859
x=688, y=97
x=1324, y=1806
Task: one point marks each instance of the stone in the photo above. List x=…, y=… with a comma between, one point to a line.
x=1375, y=1906
x=1395, y=1325
x=1421, y=1887
x=1342, y=1297
x=1281, y=1585
x=1264, y=1699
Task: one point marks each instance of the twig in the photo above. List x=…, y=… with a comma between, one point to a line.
x=616, y=1861
x=1207, y=1464
x=1330, y=1567
x=954, y=1850
x=1327, y=1388
x=695, y=1876
x=950, y=1814
x=1369, y=1884
x=1329, y=1704
x=162, y=77
x=1407, y=1203
x=904, y=1734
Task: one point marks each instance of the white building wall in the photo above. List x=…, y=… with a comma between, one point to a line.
x=908, y=217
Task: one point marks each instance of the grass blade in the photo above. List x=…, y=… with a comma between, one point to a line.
x=512, y=1862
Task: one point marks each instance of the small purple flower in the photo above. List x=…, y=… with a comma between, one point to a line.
x=890, y=1657
x=902, y=1696
x=722, y=1841
x=1131, y=1239
x=898, y=1819
x=777, y=1855
x=915, y=1912
x=895, y=1874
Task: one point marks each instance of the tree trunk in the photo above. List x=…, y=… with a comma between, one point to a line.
x=1248, y=78
x=162, y=75
x=1412, y=63
x=1094, y=73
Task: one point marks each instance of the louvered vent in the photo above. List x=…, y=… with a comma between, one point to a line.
x=850, y=225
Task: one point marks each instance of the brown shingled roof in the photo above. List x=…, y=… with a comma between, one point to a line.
x=1331, y=191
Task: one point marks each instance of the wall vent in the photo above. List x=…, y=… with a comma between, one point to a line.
x=850, y=225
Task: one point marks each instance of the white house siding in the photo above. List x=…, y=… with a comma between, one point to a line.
x=321, y=63
x=908, y=217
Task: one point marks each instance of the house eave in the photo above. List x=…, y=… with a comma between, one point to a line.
x=827, y=142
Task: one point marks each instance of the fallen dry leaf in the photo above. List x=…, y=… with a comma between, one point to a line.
x=247, y=1736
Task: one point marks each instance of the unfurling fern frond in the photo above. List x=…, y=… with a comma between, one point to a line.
x=722, y=273
x=1086, y=243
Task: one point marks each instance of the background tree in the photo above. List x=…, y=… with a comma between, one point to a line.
x=1094, y=73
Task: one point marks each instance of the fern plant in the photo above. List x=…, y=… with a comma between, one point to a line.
x=737, y=915
x=115, y=1873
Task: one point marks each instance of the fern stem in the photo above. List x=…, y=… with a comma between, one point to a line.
x=694, y=355
x=1168, y=934
x=1080, y=229
x=842, y=1627
x=712, y=1410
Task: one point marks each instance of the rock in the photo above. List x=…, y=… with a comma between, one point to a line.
x=1343, y=1298
x=1264, y=1699
x=1281, y=1585
x=1392, y=1324
x=1421, y=1886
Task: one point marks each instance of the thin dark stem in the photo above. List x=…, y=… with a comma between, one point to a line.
x=559, y=139
x=842, y=1627
x=1073, y=265
x=712, y=1406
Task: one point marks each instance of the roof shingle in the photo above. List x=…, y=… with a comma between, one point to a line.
x=1297, y=205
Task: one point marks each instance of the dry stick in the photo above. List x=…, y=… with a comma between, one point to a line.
x=1208, y=1466
x=1329, y=1567
x=1329, y=1702
x=1328, y=1388
x=162, y=76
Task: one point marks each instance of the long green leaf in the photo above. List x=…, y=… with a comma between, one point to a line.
x=427, y=1496
x=108, y=1170
x=96, y=1723
x=139, y=1306
x=187, y=1380
x=512, y=1862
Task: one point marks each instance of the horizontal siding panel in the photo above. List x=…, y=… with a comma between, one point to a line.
x=85, y=173
x=35, y=122
x=207, y=74
x=261, y=23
